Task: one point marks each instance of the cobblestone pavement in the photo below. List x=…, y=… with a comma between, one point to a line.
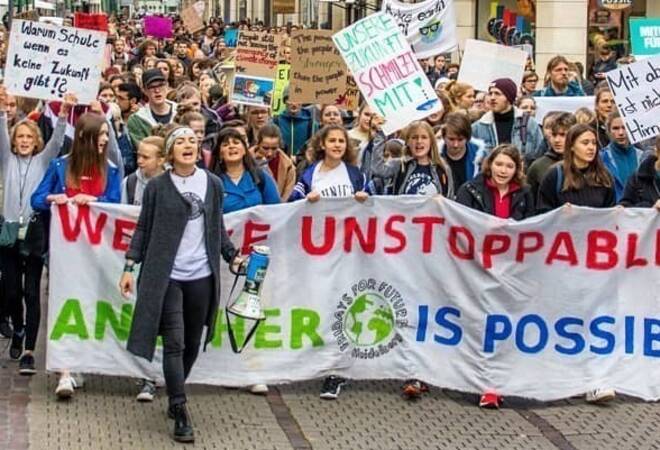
x=368, y=415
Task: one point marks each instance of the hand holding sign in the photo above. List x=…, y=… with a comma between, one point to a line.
x=68, y=103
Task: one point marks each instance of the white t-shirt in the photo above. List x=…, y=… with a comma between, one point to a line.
x=333, y=183
x=192, y=261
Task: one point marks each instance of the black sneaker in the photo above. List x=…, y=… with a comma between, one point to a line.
x=6, y=332
x=147, y=392
x=16, y=348
x=183, y=430
x=26, y=365
x=332, y=387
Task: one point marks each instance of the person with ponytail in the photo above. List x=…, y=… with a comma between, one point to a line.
x=461, y=95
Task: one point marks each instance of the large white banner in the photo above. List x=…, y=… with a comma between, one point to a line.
x=396, y=288
x=46, y=60
x=484, y=62
x=387, y=71
x=544, y=105
x=429, y=26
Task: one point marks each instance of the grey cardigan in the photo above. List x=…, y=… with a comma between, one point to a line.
x=163, y=218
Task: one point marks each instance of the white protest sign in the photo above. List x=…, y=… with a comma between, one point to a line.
x=45, y=61
x=387, y=71
x=636, y=90
x=404, y=287
x=565, y=104
x=484, y=63
x=429, y=26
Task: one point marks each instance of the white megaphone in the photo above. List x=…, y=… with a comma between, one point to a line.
x=248, y=303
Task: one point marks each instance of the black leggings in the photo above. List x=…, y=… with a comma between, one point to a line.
x=21, y=279
x=185, y=309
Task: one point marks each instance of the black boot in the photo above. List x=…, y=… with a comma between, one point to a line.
x=183, y=431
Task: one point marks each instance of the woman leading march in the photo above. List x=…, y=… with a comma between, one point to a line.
x=178, y=242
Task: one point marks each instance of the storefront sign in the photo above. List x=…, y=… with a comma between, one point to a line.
x=645, y=36
x=387, y=71
x=429, y=26
x=636, y=90
x=616, y=4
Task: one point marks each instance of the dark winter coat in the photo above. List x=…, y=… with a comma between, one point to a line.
x=475, y=195
x=643, y=188
x=155, y=243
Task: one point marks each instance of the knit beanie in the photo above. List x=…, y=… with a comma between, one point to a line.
x=508, y=88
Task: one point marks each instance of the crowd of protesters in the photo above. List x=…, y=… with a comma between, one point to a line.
x=164, y=123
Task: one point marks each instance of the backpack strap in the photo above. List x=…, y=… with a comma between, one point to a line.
x=523, y=130
x=560, y=179
x=131, y=185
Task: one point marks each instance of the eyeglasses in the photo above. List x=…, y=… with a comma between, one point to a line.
x=430, y=28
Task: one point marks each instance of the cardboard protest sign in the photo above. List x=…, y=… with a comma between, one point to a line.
x=282, y=76
x=484, y=62
x=256, y=61
x=387, y=71
x=45, y=61
x=200, y=7
x=98, y=22
x=231, y=37
x=636, y=90
x=429, y=26
x=158, y=27
x=351, y=99
x=318, y=72
x=191, y=20
x=645, y=36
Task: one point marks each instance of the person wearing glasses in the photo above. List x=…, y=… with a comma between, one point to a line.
x=529, y=82
x=158, y=109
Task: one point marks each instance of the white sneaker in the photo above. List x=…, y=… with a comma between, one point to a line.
x=65, y=387
x=78, y=380
x=600, y=395
x=259, y=389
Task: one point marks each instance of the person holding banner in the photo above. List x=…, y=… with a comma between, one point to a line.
x=24, y=160
x=178, y=241
x=620, y=158
x=92, y=172
x=643, y=187
x=332, y=175
x=581, y=179
x=422, y=171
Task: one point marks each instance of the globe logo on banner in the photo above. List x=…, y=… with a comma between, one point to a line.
x=367, y=319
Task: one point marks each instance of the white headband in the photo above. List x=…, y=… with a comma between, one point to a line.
x=176, y=134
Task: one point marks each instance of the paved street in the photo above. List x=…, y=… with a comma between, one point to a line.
x=368, y=415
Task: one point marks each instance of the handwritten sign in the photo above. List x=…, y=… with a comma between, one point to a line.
x=429, y=26
x=158, y=27
x=386, y=71
x=636, y=90
x=484, y=62
x=256, y=63
x=98, y=22
x=45, y=61
x=318, y=72
x=281, y=82
x=284, y=6
x=191, y=20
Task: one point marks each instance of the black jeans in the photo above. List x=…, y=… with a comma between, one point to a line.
x=185, y=309
x=21, y=279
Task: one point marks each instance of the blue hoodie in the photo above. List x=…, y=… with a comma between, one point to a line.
x=621, y=162
x=54, y=182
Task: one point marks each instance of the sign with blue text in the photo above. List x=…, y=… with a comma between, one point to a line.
x=387, y=71
x=45, y=61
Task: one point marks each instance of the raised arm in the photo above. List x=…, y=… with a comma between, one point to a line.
x=5, y=145
x=380, y=167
